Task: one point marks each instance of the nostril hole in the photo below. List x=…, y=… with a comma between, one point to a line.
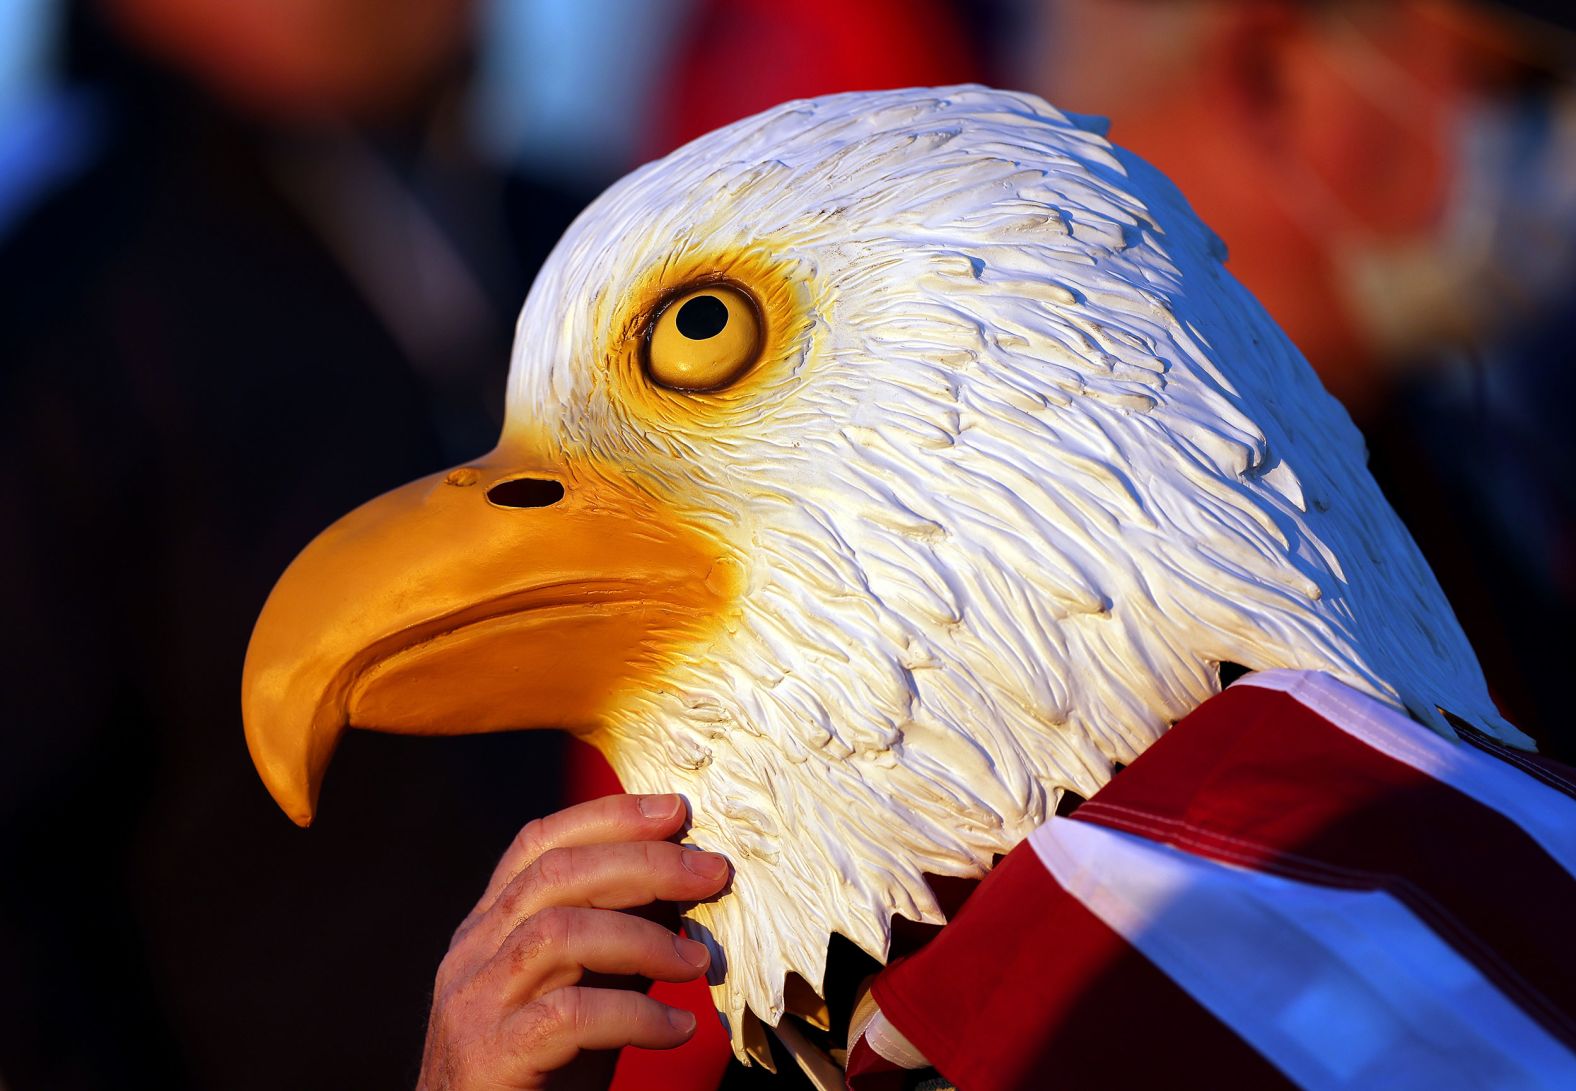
x=526, y=492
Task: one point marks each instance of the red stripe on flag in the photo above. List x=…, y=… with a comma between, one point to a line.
x=1256, y=779
x=1026, y=988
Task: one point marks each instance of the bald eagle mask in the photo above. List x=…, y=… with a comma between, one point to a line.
x=876, y=469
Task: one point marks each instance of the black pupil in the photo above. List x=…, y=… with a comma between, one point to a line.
x=702, y=317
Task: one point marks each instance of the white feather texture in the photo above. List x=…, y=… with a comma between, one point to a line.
x=1034, y=467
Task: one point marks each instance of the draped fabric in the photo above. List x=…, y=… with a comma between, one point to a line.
x=1296, y=885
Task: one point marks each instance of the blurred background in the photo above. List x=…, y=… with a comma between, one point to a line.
x=259, y=261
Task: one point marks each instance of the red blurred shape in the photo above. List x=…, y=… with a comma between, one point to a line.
x=746, y=55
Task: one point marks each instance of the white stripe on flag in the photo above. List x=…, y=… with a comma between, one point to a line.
x=1336, y=988
x=1547, y=816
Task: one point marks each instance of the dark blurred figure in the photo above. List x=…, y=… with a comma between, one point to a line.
x=1396, y=182
x=277, y=282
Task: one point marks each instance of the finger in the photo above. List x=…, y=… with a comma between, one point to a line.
x=618, y=876
x=556, y=946
x=551, y=1031
x=599, y=821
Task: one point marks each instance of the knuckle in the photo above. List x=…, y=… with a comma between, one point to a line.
x=537, y=937
x=538, y=1027
x=526, y=946
x=555, y=924
x=526, y=841
x=507, y=903
x=548, y=1019
x=555, y=868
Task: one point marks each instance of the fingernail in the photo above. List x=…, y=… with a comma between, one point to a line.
x=658, y=806
x=683, y=1021
x=691, y=952
x=708, y=865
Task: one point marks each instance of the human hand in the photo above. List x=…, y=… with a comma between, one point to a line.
x=508, y=1009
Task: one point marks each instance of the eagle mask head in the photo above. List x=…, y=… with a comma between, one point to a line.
x=967, y=471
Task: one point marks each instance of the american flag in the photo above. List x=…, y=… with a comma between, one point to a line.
x=1296, y=885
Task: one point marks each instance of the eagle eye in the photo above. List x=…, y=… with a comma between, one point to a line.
x=704, y=339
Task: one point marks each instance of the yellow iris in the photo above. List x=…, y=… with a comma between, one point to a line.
x=704, y=339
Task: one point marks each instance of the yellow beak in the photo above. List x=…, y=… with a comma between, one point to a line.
x=494, y=597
